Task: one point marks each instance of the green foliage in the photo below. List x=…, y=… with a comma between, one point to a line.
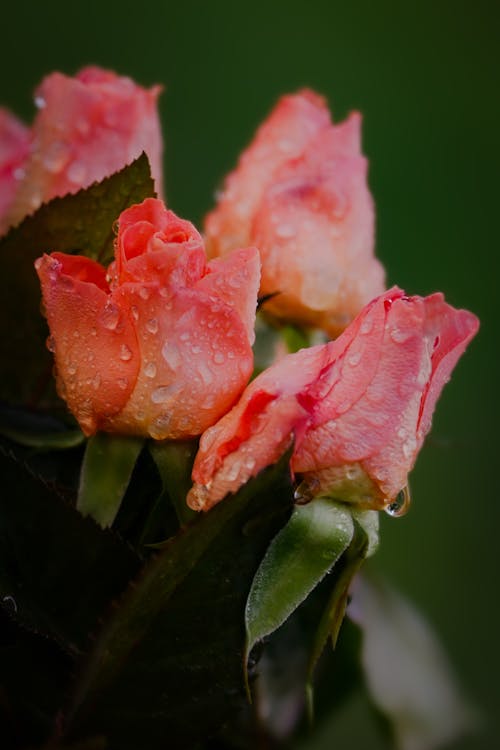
x=297, y=560
x=106, y=470
x=169, y=662
x=81, y=223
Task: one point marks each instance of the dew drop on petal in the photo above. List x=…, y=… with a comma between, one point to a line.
x=399, y=336
x=366, y=326
x=122, y=383
x=51, y=344
x=110, y=316
x=150, y=370
x=76, y=172
x=152, y=325
x=125, y=353
x=401, y=504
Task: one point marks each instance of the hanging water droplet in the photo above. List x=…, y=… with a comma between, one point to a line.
x=40, y=102
x=306, y=491
x=51, y=344
x=401, y=504
x=198, y=496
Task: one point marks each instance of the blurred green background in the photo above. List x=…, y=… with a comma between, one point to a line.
x=426, y=78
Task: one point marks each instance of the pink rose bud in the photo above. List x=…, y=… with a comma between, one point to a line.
x=299, y=193
x=358, y=407
x=87, y=127
x=160, y=345
x=14, y=150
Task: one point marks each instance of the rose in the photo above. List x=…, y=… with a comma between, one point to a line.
x=161, y=344
x=87, y=127
x=299, y=194
x=14, y=149
x=358, y=407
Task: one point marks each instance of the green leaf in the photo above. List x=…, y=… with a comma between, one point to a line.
x=174, y=461
x=334, y=612
x=106, y=470
x=59, y=571
x=168, y=666
x=408, y=675
x=80, y=223
x=36, y=430
x=296, y=561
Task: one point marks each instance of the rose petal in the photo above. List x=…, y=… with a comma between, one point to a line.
x=94, y=344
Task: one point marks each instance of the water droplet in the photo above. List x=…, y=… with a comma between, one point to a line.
x=161, y=394
x=125, y=353
x=219, y=358
x=56, y=157
x=399, y=336
x=285, y=231
x=51, y=344
x=198, y=496
x=144, y=292
x=19, y=173
x=306, y=491
x=185, y=336
x=366, y=326
x=96, y=382
x=122, y=383
x=110, y=316
x=150, y=370
x=135, y=312
x=72, y=368
x=401, y=504
x=40, y=102
x=76, y=172
x=152, y=325
x=160, y=427
x=354, y=359
x=10, y=603
x=93, y=331
x=196, y=349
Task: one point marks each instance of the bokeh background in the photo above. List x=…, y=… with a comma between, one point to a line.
x=426, y=77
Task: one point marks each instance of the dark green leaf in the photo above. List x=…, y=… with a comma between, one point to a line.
x=35, y=430
x=174, y=461
x=59, y=571
x=168, y=667
x=106, y=470
x=80, y=223
x=34, y=675
x=334, y=612
x=296, y=561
